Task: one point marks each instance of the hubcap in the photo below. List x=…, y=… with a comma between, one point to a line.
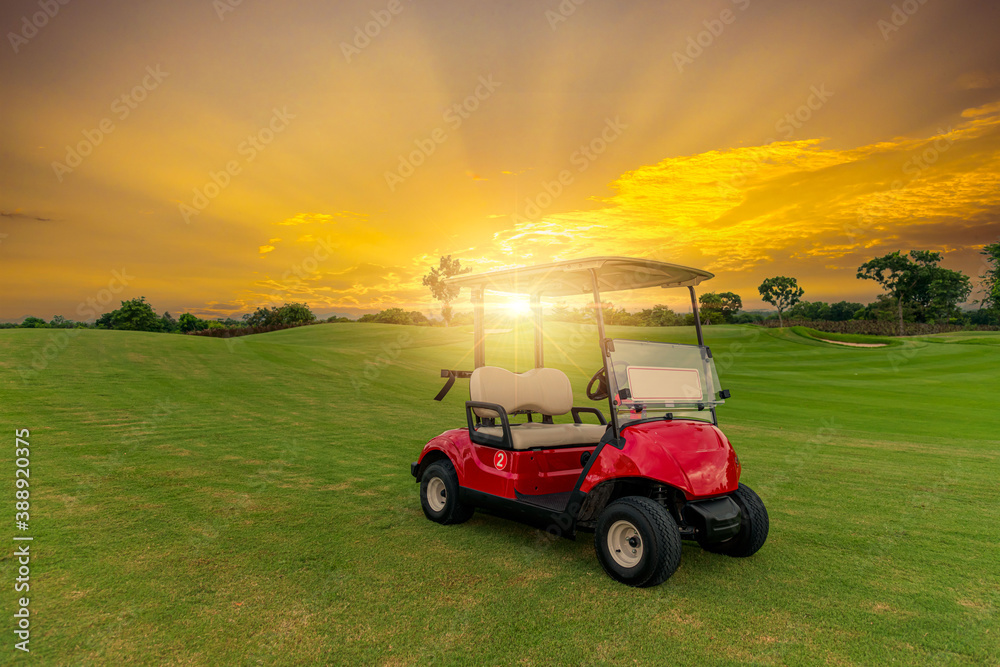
x=437, y=494
x=625, y=544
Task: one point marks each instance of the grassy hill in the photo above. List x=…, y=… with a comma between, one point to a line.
x=248, y=501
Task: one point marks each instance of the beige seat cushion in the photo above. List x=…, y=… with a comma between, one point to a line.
x=543, y=390
x=534, y=434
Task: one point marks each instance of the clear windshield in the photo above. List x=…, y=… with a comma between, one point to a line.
x=663, y=377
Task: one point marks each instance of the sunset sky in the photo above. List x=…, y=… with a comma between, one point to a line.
x=217, y=156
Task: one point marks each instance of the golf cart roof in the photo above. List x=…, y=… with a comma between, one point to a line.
x=574, y=276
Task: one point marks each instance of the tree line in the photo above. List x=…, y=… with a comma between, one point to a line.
x=916, y=289
x=138, y=315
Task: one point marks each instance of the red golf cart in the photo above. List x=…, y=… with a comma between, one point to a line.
x=655, y=471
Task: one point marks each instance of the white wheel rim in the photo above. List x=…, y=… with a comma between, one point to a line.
x=437, y=494
x=625, y=544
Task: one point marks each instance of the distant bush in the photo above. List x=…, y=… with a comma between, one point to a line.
x=219, y=331
x=985, y=316
x=396, y=316
x=289, y=313
x=749, y=318
x=460, y=319
x=189, y=323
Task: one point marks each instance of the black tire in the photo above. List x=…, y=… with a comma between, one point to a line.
x=657, y=552
x=753, y=529
x=441, y=481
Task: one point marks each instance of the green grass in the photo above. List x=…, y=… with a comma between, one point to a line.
x=203, y=501
x=824, y=336
x=964, y=338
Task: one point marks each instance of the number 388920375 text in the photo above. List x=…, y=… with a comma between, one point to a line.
x=22, y=474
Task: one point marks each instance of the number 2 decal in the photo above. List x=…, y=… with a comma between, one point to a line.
x=500, y=460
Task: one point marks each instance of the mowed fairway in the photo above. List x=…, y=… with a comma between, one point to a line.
x=202, y=501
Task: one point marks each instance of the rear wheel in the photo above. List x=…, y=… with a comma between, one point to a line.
x=753, y=528
x=637, y=542
x=439, y=494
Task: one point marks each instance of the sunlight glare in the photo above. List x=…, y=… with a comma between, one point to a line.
x=518, y=308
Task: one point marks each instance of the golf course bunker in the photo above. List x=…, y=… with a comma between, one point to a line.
x=841, y=342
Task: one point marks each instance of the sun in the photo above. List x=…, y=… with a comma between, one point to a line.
x=517, y=308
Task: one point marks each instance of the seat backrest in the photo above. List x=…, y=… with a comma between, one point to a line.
x=544, y=390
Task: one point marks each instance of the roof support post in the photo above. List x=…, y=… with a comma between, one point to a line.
x=536, y=309
x=478, y=329
x=697, y=316
x=597, y=305
x=602, y=343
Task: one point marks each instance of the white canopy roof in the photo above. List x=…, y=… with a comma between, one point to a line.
x=573, y=276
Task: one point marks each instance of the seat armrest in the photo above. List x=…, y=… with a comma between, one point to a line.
x=600, y=415
x=504, y=441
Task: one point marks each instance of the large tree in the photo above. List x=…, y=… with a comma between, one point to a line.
x=442, y=291
x=898, y=275
x=136, y=315
x=781, y=292
x=991, y=278
x=916, y=279
x=945, y=290
x=725, y=303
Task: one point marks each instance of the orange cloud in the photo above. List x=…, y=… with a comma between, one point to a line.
x=751, y=211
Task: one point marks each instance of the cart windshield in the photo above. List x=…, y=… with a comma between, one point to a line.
x=649, y=379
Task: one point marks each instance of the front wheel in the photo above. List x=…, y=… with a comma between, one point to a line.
x=637, y=542
x=439, y=494
x=753, y=527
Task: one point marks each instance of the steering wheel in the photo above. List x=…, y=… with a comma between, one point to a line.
x=601, y=392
